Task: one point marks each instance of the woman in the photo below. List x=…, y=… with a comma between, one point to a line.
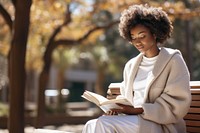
x=156, y=81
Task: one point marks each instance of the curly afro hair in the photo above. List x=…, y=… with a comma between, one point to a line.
x=155, y=19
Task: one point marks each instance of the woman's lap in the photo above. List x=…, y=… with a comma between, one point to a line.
x=112, y=124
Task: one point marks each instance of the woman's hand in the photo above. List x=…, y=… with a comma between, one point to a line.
x=127, y=109
x=111, y=113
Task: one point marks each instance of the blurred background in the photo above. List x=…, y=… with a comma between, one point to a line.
x=51, y=51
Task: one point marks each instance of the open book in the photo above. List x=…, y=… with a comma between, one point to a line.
x=104, y=103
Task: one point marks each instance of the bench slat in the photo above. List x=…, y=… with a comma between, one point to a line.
x=195, y=104
x=192, y=117
x=192, y=123
x=195, y=91
x=194, y=110
x=193, y=129
x=195, y=97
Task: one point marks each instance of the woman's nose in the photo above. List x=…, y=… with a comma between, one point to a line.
x=137, y=42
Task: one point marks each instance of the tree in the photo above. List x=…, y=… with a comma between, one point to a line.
x=17, y=65
x=19, y=26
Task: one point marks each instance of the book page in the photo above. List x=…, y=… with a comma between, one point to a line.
x=90, y=98
x=114, y=101
x=93, y=97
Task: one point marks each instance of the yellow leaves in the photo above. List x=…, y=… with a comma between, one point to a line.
x=46, y=15
x=174, y=8
x=4, y=48
x=35, y=63
x=34, y=56
x=4, y=38
x=68, y=1
x=43, y=11
x=116, y=6
x=78, y=30
x=57, y=5
x=111, y=5
x=5, y=33
x=177, y=10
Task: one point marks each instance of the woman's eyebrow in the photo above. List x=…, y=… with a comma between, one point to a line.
x=139, y=33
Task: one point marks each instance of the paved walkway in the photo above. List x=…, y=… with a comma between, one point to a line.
x=66, y=128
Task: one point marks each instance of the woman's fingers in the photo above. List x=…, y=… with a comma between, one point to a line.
x=118, y=110
x=111, y=113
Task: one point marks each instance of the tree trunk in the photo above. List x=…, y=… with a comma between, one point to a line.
x=189, y=46
x=41, y=99
x=44, y=76
x=17, y=66
x=43, y=80
x=60, y=84
x=99, y=88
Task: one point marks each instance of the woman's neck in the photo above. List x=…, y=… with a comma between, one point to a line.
x=152, y=53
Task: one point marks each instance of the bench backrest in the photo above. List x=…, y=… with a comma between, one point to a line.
x=192, y=118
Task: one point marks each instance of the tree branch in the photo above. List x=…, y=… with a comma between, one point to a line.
x=57, y=30
x=50, y=45
x=6, y=16
x=95, y=29
x=84, y=37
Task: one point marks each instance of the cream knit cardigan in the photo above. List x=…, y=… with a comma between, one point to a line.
x=168, y=95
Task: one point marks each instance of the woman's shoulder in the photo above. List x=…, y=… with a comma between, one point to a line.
x=170, y=51
x=172, y=54
x=133, y=60
x=176, y=58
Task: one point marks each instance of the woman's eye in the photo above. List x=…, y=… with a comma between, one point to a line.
x=138, y=37
x=133, y=38
x=142, y=36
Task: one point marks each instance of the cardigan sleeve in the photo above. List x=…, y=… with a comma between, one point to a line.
x=174, y=101
x=126, y=73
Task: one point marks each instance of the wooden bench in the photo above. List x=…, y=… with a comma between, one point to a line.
x=192, y=118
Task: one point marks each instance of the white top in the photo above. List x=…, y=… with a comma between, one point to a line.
x=139, y=84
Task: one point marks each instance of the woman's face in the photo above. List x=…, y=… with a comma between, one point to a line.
x=144, y=40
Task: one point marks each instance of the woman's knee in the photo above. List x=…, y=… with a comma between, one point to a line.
x=104, y=120
x=104, y=124
x=89, y=126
